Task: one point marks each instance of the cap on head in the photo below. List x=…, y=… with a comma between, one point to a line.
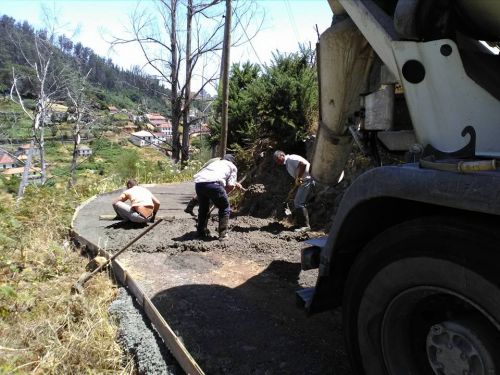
x=229, y=157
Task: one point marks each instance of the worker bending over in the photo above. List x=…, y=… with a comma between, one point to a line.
x=193, y=202
x=212, y=183
x=298, y=168
x=143, y=204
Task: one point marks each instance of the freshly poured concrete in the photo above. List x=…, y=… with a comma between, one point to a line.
x=232, y=303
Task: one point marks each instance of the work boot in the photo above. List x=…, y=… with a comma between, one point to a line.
x=223, y=224
x=203, y=233
x=302, y=220
x=201, y=229
x=191, y=205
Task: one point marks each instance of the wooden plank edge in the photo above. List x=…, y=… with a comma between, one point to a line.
x=171, y=340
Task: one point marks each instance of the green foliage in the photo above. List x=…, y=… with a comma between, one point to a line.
x=14, y=123
x=109, y=85
x=127, y=165
x=200, y=148
x=8, y=224
x=10, y=185
x=280, y=103
x=120, y=117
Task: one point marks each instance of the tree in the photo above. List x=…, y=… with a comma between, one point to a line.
x=159, y=34
x=280, y=103
x=243, y=118
x=48, y=83
x=289, y=97
x=81, y=110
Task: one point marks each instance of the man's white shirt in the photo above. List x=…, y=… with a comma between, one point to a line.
x=292, y=162
x=221, y=171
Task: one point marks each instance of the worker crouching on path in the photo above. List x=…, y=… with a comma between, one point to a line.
x=143, y=204
x=212, y=183
x=298, y=168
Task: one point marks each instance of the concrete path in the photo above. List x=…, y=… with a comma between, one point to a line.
x=173, y=199
x=233, y=302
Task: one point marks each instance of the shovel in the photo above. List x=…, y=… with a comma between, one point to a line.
x=78, y=286
x=289, y=196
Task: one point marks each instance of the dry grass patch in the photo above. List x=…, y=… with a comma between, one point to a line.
x=44, y=329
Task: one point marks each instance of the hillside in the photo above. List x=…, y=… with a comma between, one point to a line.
x=108, y=83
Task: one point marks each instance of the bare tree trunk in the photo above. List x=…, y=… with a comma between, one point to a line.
x=187, y=90
x=41, y=110
x=76, y=142
x=225, y=78
x=26, y=171
x=41, y=142
x=174, y=100
x=164, y=52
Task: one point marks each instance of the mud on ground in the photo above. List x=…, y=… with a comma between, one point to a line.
x=233, y=302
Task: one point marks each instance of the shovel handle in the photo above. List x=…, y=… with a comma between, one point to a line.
x=78, y=286
x=98, y=269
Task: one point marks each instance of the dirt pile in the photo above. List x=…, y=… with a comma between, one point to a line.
x=269, y=187
x=273, y=183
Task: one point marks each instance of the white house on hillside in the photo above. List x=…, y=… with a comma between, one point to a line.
x=159, y=138
x=34, y=175
x=6, y=162
x=165, y=128
x=82, y=150
x=142, y=138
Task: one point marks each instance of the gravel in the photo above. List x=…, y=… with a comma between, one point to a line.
x=138, y=338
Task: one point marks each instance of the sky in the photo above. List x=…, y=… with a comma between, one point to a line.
x=91, y=22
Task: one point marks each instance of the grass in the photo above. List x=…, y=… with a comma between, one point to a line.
x=14, y=123
x=43, y=327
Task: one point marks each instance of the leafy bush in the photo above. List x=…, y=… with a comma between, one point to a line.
x=120, y=117
x=280, y=103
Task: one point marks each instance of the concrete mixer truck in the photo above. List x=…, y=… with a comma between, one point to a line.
x=413, y=255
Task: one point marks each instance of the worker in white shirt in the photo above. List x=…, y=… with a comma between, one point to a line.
x=193, y=202
x=212, y=183
x=143, y=204
x=298, y=168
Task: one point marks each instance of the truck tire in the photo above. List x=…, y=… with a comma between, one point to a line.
x=423, y=297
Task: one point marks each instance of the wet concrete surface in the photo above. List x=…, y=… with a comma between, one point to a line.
x=231, y=302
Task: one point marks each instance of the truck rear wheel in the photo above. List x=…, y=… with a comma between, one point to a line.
x=424, y=298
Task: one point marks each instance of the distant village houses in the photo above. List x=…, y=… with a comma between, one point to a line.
x=7, y=162
x=34, y=175
x=165, y=128
x=160, y=138
x=160, y=124
x=83, y=150
x=156, y=119
x=142, y=138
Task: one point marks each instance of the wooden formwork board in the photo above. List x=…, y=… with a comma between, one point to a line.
x=171, y=340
